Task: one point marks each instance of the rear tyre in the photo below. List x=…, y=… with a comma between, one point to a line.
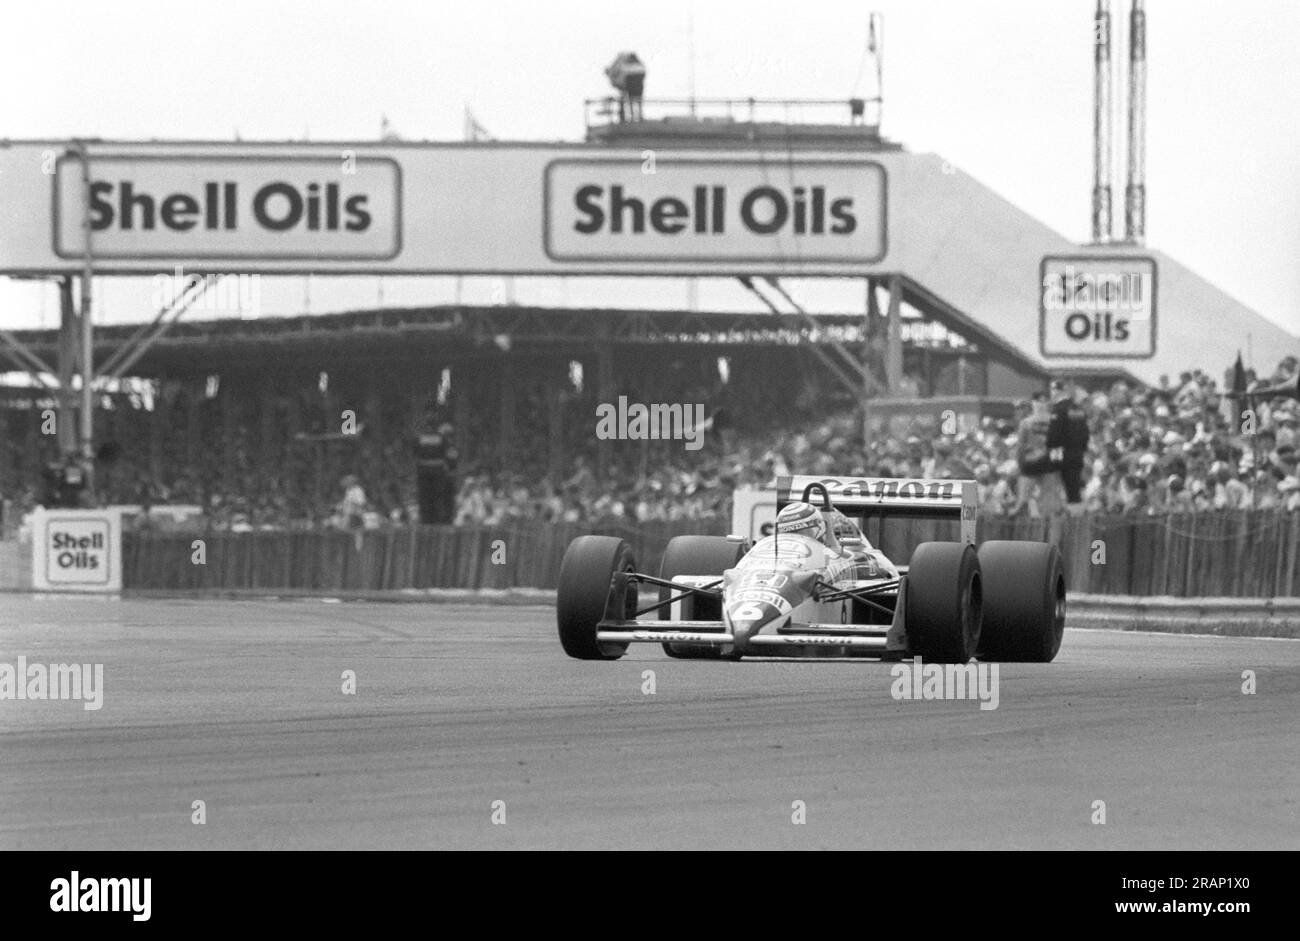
x=944, y=602
x=1024, y=602
x=697, y=555
x=594, y=586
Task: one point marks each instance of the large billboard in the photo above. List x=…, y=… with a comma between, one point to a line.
x=395, y=208
x=692, y=209
x=233, y=209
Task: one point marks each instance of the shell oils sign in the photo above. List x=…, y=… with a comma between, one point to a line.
x=231, y=208
x=77, y=550
x=699, y=210
x=1098, y=307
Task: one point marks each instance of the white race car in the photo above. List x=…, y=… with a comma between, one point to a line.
x=822, y=589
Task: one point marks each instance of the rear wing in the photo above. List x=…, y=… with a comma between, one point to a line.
x=886, y=496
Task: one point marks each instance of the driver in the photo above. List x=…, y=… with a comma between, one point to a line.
x=802, y=519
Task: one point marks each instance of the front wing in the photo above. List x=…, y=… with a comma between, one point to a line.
x=879, y=638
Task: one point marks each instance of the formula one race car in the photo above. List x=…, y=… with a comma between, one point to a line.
x=817, y=587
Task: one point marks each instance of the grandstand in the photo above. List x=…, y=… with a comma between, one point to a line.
x=253, y=407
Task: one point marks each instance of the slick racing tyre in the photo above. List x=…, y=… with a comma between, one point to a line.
x=1024, y=602
x=944, y=602
x=594, y=586
x=697, y=555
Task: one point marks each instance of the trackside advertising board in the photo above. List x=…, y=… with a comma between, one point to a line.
x=77, y=550
x=393, y=208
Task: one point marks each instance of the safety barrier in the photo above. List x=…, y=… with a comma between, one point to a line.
x=523, y=555
x=1241, y=554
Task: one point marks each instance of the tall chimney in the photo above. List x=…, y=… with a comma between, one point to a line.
x=1135, y=192
x=1101, y=132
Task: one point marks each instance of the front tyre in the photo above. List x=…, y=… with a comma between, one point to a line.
x=944, y=606
x=594, y=586
x=1024, y=601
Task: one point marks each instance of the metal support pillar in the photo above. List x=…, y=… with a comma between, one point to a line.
x=87, y=425
x=894, y=337
x=68, y=354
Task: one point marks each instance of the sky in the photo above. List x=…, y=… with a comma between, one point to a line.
x=1001, y=89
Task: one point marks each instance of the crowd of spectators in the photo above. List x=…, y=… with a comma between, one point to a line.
x=1180, y=446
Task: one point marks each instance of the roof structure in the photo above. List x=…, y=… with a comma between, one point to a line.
x=979, y=255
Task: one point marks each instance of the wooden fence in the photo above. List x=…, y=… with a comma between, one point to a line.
x=525, y=556
x=1244, y=554
x=1241, y=554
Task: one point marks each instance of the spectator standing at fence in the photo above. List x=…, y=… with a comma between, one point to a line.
x=1289, y=493
x=1031, y=454
x=1177, y=498
x=1285, y=462
x=1004, y=496
x=1229, y=492
x=472, y=502
x=1067, y=443
x=351, y=510
x=435, y=475
x=984, y=491
x=1288, y=426
x=1096, y=491
x=1136, y=496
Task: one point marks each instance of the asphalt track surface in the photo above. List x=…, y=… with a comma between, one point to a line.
x=240, y=704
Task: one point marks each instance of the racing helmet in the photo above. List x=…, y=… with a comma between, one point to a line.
x=803, y=519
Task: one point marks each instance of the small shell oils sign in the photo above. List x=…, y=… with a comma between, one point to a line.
x=1098, y=307
x=77, y=550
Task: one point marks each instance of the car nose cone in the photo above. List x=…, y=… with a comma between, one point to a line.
x=742, y=631
x=747, y=618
